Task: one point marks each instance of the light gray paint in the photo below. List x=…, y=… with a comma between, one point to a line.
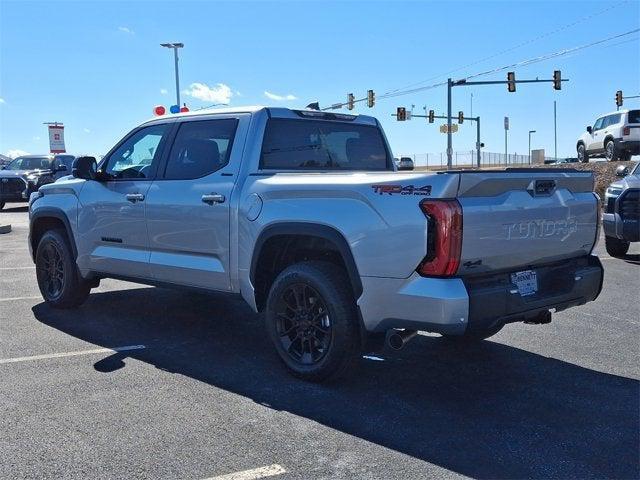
x=172, y=236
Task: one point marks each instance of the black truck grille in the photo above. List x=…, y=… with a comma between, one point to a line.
x=11, y=185
x=630, y=205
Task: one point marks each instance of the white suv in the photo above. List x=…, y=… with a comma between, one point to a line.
x=615, y=136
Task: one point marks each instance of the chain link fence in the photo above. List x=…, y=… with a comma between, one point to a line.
x=468, y=159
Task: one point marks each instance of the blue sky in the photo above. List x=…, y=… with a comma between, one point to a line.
x=98, y=66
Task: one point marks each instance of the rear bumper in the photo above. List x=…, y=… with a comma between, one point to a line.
x=494, y=300
x=631, y=146
x=455, y=305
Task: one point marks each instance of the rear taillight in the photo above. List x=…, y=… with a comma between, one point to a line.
x=444, y=238
x=626, y=131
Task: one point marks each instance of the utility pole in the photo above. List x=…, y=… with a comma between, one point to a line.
x=478, y=144
x=555, y=133
x=175, y=46
x=449, y=138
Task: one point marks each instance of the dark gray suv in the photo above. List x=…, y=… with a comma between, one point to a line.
x=25, y=174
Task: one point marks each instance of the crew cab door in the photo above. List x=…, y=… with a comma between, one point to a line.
x=188, y=206
x=111, y=222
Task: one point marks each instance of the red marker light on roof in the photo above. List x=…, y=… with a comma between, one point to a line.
x=184, y=109
x=159, y=110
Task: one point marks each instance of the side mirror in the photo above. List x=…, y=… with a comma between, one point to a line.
x=622, y=171
x=85, y=168
x=589, y=129
x=405, y=164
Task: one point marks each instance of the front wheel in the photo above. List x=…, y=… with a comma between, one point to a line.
x=58, y=279
x=583, y=156
x=616, y=247
x=312, y=320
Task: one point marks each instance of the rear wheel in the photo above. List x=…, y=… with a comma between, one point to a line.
x=311, y=319
x=58, y=279
x=616, y=247
x=473, y=336
x=582, y=154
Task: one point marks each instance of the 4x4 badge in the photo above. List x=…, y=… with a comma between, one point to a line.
x=402, y=189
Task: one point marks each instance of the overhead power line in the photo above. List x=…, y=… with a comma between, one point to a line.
x=523, y=63
x=511, y=49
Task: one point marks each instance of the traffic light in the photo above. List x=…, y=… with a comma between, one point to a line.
x=431, y=116
x=401, y=114
x=350, y=101
x=511, y=78
x=371, y=98
x=619, y=98
x=460, y=117
x=557, y=80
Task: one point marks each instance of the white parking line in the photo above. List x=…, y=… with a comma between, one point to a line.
x=262, y=472
x=72, y=354
x=17, y=268
x=18, y=298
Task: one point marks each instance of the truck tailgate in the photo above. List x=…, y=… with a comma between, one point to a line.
x=518, y=218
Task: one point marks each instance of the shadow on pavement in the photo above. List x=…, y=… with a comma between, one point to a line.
x=491, y=411
x=17, y=209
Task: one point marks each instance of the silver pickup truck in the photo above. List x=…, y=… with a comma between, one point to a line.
x=304, y=215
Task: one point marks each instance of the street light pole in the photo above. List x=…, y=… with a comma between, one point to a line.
x=530, y=132
x=175, y=47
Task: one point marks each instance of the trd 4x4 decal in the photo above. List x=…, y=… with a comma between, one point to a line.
x=402, y=189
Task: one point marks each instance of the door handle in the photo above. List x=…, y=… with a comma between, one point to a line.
x=212, y=198
x=134, y=197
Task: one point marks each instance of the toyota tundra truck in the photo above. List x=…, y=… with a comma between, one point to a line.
x=304, y=214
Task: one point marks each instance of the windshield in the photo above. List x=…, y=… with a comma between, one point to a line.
x=323, y=145
x=29, y=163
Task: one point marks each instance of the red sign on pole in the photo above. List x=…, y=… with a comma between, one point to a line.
x=56, y=139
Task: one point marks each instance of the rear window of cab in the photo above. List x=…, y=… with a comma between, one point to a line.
x=323, y=145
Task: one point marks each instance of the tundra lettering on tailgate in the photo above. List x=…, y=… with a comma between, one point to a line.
x=541, y=229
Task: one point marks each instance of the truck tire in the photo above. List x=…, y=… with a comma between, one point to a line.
x=312, y=320
x=616, y=247
x=473, y=336
x=583, y=156
x=58, y=278
x=610, y=151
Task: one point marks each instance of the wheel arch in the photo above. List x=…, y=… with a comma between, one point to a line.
x=44, y=219
x=304, y=230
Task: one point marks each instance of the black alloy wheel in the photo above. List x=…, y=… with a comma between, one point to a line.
x=50, y=271
x=303, y=324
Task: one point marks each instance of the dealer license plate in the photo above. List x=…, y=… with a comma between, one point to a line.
x=526, y=281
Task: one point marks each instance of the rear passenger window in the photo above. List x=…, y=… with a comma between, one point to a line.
x=611, y=120
x=200, y=148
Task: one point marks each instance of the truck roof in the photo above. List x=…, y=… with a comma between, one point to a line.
x=278, y=112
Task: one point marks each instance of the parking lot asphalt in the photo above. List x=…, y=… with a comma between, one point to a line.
x=198, y=392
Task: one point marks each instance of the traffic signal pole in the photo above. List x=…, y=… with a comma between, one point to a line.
x=511, y=83
x=448, y=118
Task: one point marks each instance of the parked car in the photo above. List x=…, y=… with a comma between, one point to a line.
x=304, y=214
x=621, y=217
x=26, y=174
x=615, y=136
